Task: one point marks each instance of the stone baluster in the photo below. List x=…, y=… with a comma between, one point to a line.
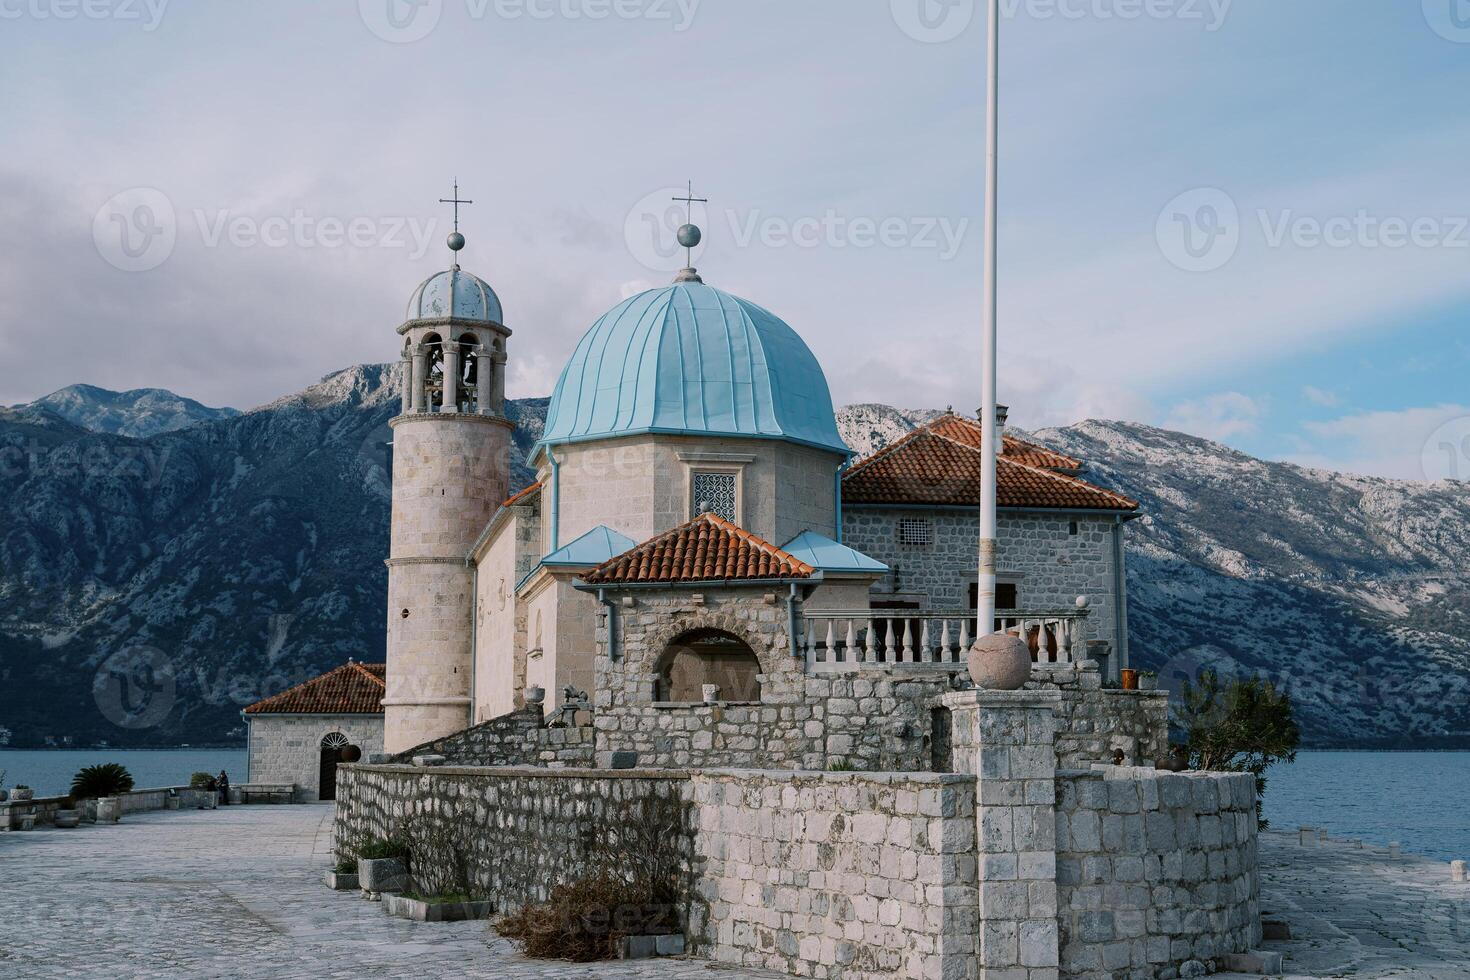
x=908, y=641
x=831, y=644
x=925, y=653
x=451, y=377
x=849, y=651
x=1064, y=640
x=810, y=643
x=872, y=646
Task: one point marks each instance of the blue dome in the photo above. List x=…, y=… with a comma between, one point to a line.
x=458, y=294
x=692, y=359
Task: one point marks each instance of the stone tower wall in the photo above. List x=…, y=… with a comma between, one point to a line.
x=450, y=472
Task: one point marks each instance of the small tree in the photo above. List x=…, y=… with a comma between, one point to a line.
x=1243, y=726
x=95, y=782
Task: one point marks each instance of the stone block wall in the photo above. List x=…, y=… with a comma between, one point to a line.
x=287, y=748
x=524, y=830
x=520, y=738
x=1156, y=871
x=836, y=875
x=1092, y=721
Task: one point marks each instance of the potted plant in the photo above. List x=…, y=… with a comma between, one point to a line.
x=382, y=866
x=1130, y=678
x=103, y=784
x=1148, y=680
x=23, y=792
x=343, y=876
x=68, y=816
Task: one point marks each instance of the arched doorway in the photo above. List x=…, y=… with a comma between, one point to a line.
x=334, y=749
x=709, y=656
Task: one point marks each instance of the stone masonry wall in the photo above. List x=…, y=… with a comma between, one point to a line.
x=525, y=830
x=1156, y=872
x=836, y=875
x=1050, y=566
x=520, y=738
x=287, y=748
x=1092, y=721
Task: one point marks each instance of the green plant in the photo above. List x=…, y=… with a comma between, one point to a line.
x=382, y=849
x=1243, y=726
x=95, y=782
x=841, y=765
x=21, y=786
x=346, y=865
x=200, y=780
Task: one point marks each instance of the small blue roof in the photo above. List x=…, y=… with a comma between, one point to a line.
x=826, y=555
x=598, y=545
x=689, y=358
x=458, y=294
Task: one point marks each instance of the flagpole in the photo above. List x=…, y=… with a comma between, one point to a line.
x=989, y=441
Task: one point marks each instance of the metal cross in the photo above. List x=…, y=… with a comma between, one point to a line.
x=456, y=201
x=689, y=201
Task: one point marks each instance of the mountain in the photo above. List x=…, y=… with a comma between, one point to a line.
x=150, y=587
x=139, y=413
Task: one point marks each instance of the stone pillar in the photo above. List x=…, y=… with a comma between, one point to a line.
x=451, y=377
x=420, y=378
x=406, y=383
x=484, y=368
x=497, y=391
x=1008, y=739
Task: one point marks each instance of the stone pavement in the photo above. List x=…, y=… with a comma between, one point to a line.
x=237, y=892
x=1358, y=913
x=234, y=892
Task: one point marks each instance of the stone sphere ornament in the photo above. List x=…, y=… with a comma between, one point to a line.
x=690, y=236
x=1000, y=662
x=455, y=241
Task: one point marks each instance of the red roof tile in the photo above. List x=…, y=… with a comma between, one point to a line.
x=707, y=549
x=968, y=431
x=351, y=689
x=928, y=468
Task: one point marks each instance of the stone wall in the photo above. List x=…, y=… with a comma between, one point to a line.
x=873, y=720
x=835, y=875
x=520, y=738
x=1049, y=565
x=1093, y=721
x=524, y=831
x=287, y=748
x=1156, y=871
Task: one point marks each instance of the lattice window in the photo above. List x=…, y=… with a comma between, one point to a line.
x=915, y=533
x=714, y=493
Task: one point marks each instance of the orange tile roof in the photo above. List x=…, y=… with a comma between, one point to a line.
x=926, y=467
x=530, y=491
x=707, y=549
x=351, y=689
x=968, y=431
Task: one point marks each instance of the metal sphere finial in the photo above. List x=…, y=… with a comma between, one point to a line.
x=455, y=241
x=690, y=236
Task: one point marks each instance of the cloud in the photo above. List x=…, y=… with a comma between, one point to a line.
x=1427, y=442
x=1318, y=396
x=1220, y=417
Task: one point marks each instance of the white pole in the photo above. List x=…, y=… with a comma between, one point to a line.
x=989, y=443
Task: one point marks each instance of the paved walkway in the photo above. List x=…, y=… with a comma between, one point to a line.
x=237, y=892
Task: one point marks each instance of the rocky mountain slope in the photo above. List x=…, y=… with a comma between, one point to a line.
x=139, y=413
x=152, y=586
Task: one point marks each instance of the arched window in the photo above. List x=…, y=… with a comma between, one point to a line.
x=708, y=656
x=434, y=375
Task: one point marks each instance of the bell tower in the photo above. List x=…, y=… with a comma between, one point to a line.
x=451, y=468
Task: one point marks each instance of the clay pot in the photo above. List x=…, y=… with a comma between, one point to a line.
x=1000, y=662
x=1130, y=679
x=535, y=695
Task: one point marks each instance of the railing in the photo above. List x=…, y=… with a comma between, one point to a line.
x=841, y=641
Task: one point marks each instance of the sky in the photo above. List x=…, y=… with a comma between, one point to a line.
x=1244, y=219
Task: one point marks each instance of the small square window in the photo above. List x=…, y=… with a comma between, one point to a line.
x=714, y=493
x=915, y=533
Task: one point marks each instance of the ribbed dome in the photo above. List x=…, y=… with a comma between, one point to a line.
x=689, y=358
x=455, y=293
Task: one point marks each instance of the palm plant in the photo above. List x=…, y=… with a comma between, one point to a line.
x=95, y=782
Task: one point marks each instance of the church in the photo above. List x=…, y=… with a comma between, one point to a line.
x=698, y=532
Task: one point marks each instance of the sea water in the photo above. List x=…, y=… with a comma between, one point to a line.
x=49, y=773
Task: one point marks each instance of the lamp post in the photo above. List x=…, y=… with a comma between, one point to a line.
x=990, y=436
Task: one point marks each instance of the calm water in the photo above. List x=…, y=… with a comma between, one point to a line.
x=50, y=773
x=1421, y=799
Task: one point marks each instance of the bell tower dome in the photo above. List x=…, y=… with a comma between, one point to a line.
x=451, y=457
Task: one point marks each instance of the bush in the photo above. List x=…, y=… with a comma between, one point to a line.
x=95, y=782
x=200, y=780
x=380, y=849
x=1244, y=726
